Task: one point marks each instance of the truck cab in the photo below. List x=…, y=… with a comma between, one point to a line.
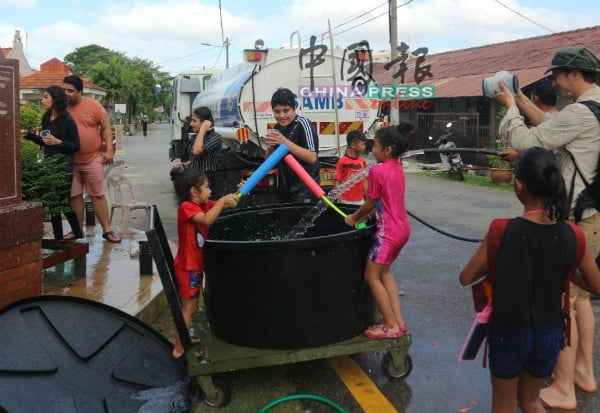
x=185, y=88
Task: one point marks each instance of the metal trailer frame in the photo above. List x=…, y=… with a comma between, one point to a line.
x=212, y=355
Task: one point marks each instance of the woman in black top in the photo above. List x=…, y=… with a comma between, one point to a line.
x=61, y=138
x=206, y=147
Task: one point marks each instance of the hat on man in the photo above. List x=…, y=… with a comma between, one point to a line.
x=575, y=58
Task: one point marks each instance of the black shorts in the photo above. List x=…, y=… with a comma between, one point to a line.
x=514, y=348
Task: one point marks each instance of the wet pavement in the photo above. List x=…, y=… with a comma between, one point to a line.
x=437, y=309
x=113, y=270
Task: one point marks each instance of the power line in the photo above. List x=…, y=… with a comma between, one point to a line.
x=527, y=18
x=186, y=56
x=364, y=22
x=534, y=22
x=350, y=20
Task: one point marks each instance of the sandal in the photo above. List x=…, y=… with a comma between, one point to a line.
x=111, y=237
x=72, y=236
x=384, y=332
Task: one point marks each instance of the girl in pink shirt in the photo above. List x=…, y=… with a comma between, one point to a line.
x=385, y=196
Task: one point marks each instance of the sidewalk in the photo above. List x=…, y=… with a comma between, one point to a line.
x=113, y=270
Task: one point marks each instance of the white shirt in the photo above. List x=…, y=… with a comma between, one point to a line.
x=575, y=128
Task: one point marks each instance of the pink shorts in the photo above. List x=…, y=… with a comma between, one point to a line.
x=88, y=177
x=383, y=251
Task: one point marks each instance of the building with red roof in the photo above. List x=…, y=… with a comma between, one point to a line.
x=458, y=75
x=53, y=72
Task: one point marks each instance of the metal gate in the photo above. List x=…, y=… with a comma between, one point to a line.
x=466, y=128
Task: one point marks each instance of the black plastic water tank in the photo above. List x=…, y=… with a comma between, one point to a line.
x=267, y=292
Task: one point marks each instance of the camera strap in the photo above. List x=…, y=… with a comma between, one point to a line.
x=595, y=108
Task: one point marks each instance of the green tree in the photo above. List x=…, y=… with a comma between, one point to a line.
x=31, y=116
x=127, y=80
x=43, y=179
x=83, y=58
x=119, y=78
x=150, y=76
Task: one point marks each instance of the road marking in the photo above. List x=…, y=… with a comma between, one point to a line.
x=360, y=385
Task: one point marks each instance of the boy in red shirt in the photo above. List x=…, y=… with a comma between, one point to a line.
x=351, y=163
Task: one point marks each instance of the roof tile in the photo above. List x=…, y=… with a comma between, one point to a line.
x=461, y=72
x=52, y=72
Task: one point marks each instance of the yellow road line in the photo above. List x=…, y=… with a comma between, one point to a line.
x=360, y=385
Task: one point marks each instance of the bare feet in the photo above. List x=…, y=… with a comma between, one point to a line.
x=554, y=399
x=585, y=383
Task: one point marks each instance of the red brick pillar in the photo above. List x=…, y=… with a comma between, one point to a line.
x=21, y=223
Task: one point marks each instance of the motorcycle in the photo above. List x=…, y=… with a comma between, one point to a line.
x=451, y=161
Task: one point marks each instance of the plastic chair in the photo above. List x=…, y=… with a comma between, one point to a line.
x=120, y=194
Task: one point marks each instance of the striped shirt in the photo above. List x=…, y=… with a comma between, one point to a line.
x=211, y=150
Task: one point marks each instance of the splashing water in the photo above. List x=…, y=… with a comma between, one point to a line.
x=308, y=220
x=336, y=193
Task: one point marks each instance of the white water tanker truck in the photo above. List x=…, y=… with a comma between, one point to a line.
x=330, y=89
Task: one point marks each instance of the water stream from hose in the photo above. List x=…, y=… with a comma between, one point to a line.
x=308, y=220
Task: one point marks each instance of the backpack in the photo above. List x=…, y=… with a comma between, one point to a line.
x=590, y=196
x=482, y=291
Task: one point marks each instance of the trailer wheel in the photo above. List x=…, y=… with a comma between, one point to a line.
x=396, y=372
x=220, y=397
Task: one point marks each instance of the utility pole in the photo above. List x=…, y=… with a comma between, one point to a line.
x=394, y=114
x=227, y=53
x=224, y=45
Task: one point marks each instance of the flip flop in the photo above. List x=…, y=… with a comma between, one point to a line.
x=71, y=236
x=181, y=360
x=377, y=324
x=111, y=237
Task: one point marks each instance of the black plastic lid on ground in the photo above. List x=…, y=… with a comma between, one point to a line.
x=67, y=354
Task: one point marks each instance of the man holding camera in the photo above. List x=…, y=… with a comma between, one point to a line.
x=574, y=134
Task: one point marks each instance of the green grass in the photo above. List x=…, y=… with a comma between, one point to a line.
x=470, y=179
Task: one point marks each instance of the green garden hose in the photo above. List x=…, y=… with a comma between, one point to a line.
x=302, y=396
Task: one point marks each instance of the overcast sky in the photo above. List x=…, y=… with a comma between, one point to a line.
x=171, y=33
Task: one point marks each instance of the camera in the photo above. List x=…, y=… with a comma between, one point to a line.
x=491, y=85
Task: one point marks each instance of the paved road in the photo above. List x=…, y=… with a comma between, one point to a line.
x=437, y=309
